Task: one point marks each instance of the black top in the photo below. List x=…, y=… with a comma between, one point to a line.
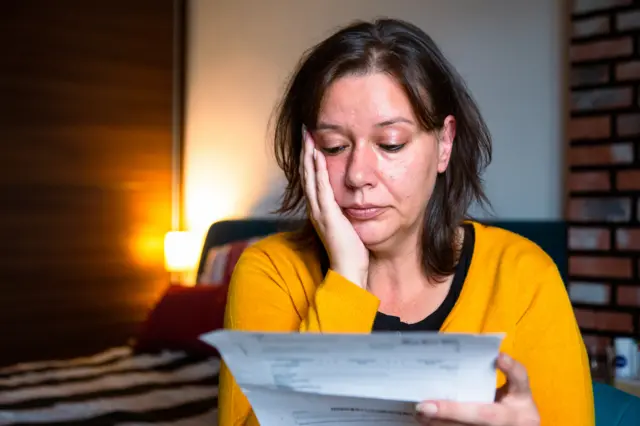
x=435, y=320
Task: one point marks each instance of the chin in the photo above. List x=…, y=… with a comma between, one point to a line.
x=373, y=233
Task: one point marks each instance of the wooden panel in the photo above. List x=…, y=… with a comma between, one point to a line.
x=87, y=89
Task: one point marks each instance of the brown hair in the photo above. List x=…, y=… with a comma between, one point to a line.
x=409, y=55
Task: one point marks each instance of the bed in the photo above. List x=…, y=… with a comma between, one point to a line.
x=116, y=386
x=167, y=376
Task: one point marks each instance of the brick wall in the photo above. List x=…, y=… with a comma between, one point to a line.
x=603, y=206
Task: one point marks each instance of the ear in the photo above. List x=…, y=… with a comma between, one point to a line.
x=445, y=143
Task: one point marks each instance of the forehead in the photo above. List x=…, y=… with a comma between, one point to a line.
x=364, y=100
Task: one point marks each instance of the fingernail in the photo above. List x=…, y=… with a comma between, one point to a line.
x=506, y=359
x=314, y=153
x=427, y=408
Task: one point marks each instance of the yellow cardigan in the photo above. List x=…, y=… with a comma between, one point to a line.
x=512, y=286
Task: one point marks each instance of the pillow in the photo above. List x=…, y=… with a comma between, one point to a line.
x=214, y=265
x=180, y=317
x=220, y=262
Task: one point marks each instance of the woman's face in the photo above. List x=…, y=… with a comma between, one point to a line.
x=382, y=166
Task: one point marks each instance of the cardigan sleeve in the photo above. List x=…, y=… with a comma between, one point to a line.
x=260, y=299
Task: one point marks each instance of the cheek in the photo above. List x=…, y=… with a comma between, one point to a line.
x=401, y=181
x=410, y=178
x=336, y=168
x=398, y=171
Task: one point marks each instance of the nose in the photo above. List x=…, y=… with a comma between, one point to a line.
x=362, y=167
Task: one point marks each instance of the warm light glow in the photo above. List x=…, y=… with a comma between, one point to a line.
x=181, y=251
x=145, y=247
x=208, y=202
x=228, y=167
x=228, y=164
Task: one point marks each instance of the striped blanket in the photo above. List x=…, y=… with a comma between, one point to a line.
x=115, y=387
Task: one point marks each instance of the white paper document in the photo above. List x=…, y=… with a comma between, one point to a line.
x=313, y=379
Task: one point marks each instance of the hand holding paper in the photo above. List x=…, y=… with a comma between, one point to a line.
x=297, y=379
x=514, y=406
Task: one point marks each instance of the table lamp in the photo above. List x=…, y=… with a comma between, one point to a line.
x=181, y=250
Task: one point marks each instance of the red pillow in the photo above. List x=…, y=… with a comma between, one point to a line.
x=181, y=316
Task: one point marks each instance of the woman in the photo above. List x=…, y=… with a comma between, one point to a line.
x=383, y=145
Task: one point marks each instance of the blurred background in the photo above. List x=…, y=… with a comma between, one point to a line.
x=129, y=127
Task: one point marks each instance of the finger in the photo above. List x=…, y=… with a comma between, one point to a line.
x=308, y=173
x=326, y=198
x=302, y=152
x=301, y=168
x=464, y=413
x=517, y=378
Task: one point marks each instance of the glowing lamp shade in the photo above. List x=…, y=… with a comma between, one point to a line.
x=181, y=251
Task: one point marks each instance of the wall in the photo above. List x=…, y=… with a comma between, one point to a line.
x=241, y=53
x=85, y=172
x=604, y=164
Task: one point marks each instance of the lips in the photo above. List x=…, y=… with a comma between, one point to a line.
x=363, y=213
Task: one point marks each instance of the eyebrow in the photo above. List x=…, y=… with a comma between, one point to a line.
x=395, y=120
x=390, y=122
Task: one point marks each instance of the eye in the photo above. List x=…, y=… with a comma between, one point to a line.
x=392, y=148
x=334, y=150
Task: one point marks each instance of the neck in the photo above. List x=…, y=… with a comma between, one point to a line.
x=397, y=268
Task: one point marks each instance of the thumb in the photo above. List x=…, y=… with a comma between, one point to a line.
x=517, y=378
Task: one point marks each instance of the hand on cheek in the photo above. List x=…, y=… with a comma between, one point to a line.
x=348, y=255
